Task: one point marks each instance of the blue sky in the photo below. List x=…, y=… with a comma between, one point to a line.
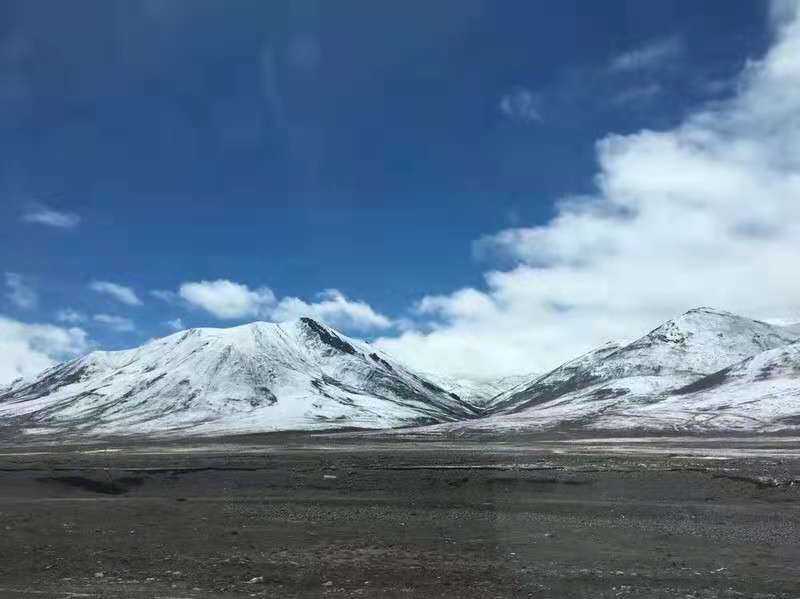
x=289, y=149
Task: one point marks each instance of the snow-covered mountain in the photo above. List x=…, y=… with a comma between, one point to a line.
x=706, y=369
x=565, y=379
x=633, y=382
x=255, y=377
x=760, y=392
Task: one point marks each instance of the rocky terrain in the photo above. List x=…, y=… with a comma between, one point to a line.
x=348, y=516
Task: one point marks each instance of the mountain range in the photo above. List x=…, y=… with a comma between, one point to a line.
x=705, y=370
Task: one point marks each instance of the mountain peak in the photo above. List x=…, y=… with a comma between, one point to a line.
x=677, y=353
x=709, y=310
x=258, y=376
x=327, y=335
x=706, y=337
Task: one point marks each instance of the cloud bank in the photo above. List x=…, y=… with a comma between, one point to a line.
x=334, y=308
x=226, y=299
x=30, y=348
x=707, y=213
x=229, y=300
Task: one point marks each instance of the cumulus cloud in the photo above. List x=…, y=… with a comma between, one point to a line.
x=30, y=348
x=119, y=324
x=332, y=307
x=522, y=105
x=706, y=213
x=126, y=295
x=226, y=299
x=42, y=215
x=650, y=56
x=20, y=293
x=229, y=300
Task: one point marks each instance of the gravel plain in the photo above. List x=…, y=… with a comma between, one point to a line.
x=352, y=515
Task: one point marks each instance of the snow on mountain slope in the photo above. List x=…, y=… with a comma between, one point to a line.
x=792, y=329
x=761, y=392
x=632, y=380
x=704, y=370
x=255, y=377
x=562, y=380
x=480, y=392
x=678, y=352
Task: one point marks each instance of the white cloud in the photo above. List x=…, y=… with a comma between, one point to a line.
x=226, y=299
x=332, y=308
x=119, y=324
x=175, y=324
x=650, y=56
x=70, y=315
x=229, y=300
x=126, y=295
x=43, y=215
x=29, y=348
x=20, y=293
x=707, y=213
x=521, y=104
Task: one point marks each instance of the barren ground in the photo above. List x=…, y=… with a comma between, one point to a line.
x=380, y=516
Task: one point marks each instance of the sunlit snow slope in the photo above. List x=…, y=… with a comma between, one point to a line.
x=760, y=392
x=670, y=378
x=255, y=377
x=706, y=370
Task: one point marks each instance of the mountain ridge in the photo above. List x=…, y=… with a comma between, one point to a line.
x=299, y=374
x=305, y=375
x=611, y=386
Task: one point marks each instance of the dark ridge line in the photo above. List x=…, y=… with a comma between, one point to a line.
x=118, y=486
x=476, y=467
x=140, y=469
